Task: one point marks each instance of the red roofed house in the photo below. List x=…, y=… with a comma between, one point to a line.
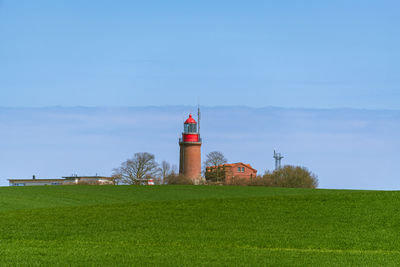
x=234, y=170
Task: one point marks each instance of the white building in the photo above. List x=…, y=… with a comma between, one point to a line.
x=68, y=180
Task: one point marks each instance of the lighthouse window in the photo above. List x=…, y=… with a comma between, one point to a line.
x=190, y=128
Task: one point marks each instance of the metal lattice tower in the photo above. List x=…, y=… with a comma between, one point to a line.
x=278, y=157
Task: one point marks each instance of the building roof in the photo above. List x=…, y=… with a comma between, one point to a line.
x=88, y=177
x=234, y=165
x=190, y=120
x=61, y=180
x=36, y=180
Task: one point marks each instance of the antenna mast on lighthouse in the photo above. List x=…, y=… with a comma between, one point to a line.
x=198, y=118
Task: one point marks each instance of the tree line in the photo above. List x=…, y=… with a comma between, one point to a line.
x=143, y=167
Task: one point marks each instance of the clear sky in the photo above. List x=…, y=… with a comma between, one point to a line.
x=316, y=54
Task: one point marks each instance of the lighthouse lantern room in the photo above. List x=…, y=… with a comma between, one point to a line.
x=190, y=133
x=190, y=151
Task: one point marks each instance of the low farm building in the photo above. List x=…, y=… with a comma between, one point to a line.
x=68, y=180
x=231, y=171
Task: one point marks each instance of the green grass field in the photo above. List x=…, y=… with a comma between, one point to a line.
x=198, y=225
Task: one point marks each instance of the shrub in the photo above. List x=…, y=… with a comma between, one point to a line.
x=291, y=176
x=215, y=173
x=254, y=181
x=238, y=181
x=177, y=179
x=288, y=176
x=89, y=182
x=260, y=181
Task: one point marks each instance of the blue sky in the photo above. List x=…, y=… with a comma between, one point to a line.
x=308, y=59
x=314, y=54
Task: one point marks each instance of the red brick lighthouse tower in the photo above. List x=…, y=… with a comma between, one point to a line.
x=190, y=151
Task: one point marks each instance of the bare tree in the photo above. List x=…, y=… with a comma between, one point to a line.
x=117, y=177
x=137, y=170
x=215, y=158
x=165, y=170
x=174, y=169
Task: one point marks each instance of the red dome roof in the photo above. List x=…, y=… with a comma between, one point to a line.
x=190, y=120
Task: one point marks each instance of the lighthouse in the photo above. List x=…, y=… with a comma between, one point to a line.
x=190, y=151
